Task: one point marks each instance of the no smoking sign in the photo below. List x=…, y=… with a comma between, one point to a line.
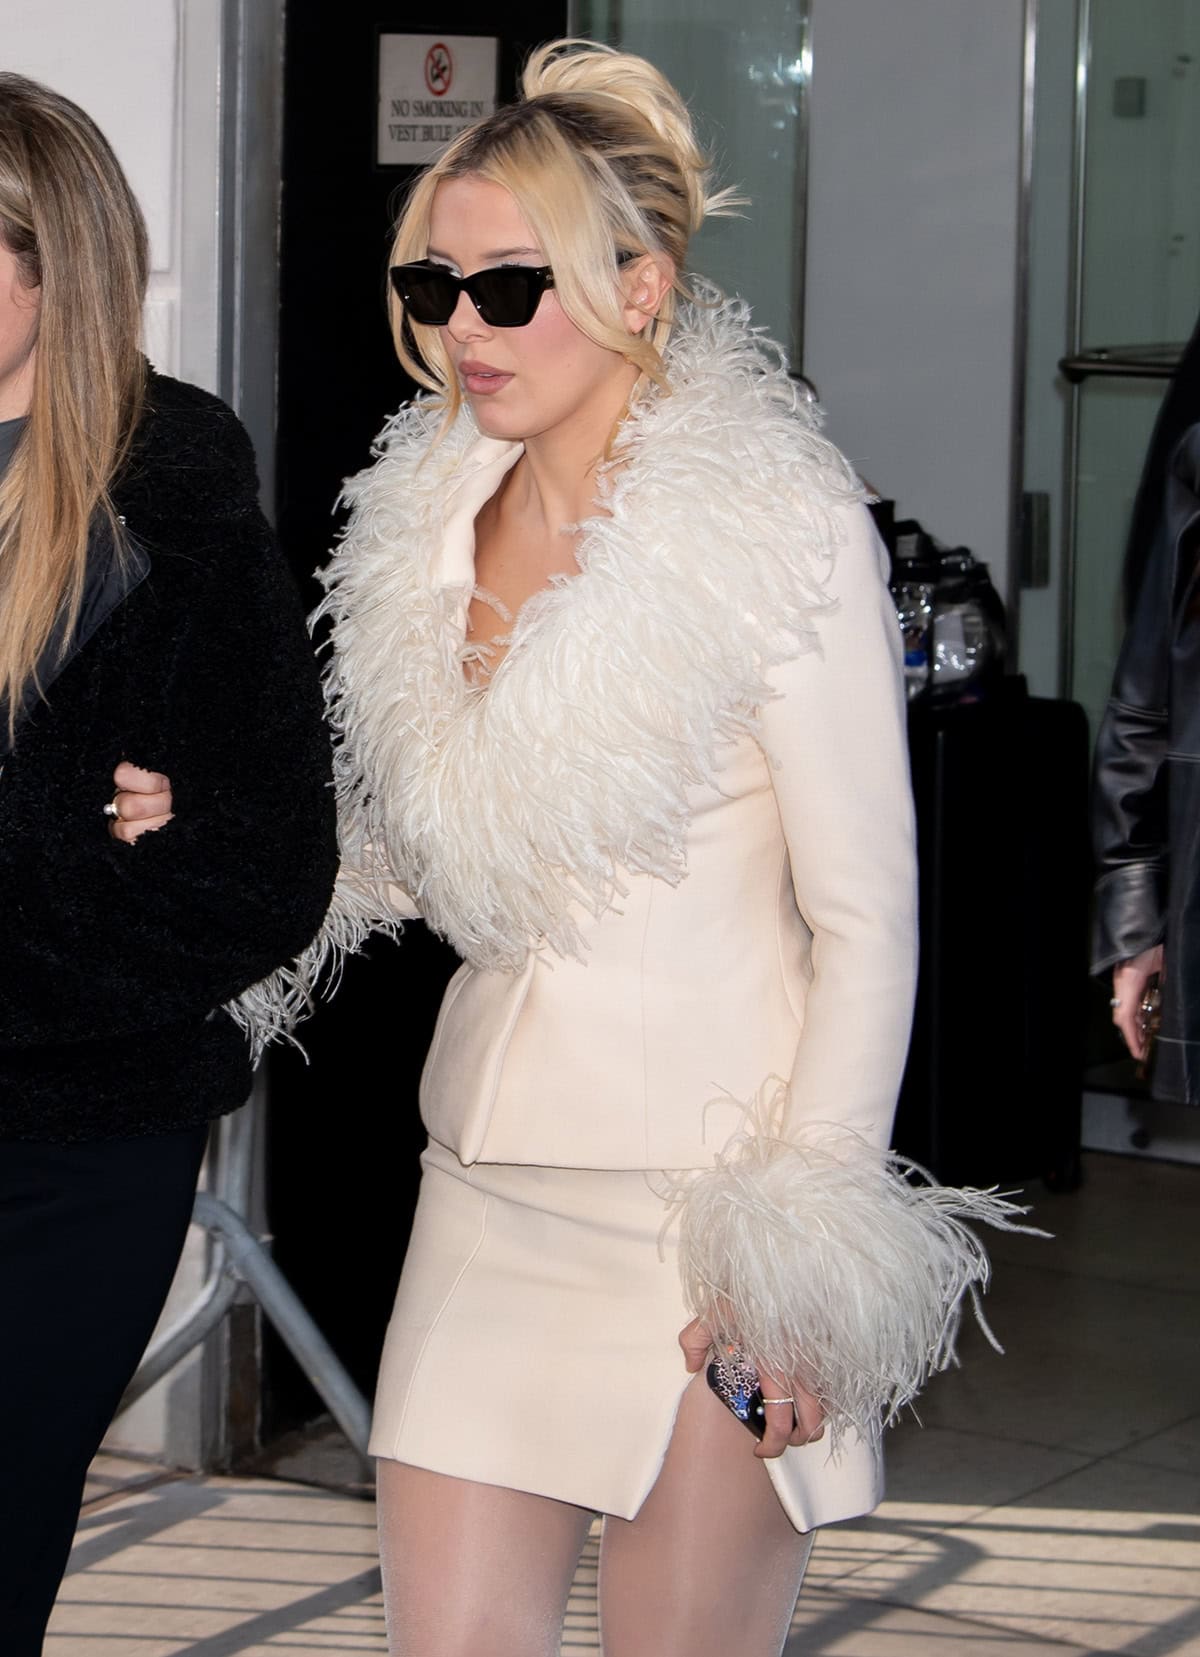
x=439, y=70
x=431, y=87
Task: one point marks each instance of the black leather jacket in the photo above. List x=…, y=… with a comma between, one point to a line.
x=1146, y=798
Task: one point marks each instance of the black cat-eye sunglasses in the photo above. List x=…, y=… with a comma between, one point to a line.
x=506, y=296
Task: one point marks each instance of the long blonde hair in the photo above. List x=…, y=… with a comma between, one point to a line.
x=69, y=218
x=602, y=159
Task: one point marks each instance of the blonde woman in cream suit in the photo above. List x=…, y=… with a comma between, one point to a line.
x=617, y=683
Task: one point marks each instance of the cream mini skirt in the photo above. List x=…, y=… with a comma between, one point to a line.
x=534, y=1343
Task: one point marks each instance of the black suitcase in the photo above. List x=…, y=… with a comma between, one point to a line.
x=992, y=1089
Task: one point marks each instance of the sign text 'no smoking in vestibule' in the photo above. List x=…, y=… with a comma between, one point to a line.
x=430, y=88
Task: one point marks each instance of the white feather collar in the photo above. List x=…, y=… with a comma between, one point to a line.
x=502, y=811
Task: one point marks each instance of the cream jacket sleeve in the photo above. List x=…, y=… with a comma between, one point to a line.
x=836, y=737
x=807, y=1244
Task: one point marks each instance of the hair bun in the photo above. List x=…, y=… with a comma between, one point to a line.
x=585, y=69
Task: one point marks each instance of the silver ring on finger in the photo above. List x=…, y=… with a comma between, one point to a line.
x=779, y=1401
x=111, y=809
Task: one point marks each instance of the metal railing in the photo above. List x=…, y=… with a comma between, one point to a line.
x=1122, y=362
x=240, y=1257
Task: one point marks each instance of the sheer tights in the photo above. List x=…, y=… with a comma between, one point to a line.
x=710, y=1564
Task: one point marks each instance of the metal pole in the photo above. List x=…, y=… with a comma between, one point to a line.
x=1068, y=573
x=250, y=1263
x=239, y=1256
x=172, y=1347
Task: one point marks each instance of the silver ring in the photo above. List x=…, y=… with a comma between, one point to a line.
x=1114, y=1001
x=110, y=810
x=779, y=1401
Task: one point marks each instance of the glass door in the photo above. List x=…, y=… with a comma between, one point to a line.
x=1133, y=299
x=744, y=70
x=1113, y=294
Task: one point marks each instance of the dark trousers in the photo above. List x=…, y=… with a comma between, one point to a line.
x=90, y=1236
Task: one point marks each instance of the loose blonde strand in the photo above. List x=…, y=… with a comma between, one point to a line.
x=68, y=216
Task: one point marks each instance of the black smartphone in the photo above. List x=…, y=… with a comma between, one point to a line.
x=734, y=1379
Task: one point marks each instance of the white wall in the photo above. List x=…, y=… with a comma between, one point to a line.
x=910, y=307
x=116, y=58
x=147, y=71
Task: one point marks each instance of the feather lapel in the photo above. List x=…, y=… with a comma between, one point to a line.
x=511, y=814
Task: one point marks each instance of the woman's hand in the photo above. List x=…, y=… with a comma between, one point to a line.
x=142, y=802
x=1129, y=986
x=802, y=1421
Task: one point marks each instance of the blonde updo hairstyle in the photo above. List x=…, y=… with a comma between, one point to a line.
x=602, y=160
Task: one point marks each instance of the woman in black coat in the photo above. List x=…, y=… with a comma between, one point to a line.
x=145, y=617
x=1146, y=799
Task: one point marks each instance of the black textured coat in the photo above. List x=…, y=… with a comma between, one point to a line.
x=192, y=659
x=1146, y=796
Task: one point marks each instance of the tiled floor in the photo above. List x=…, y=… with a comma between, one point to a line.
x=1049, y=1505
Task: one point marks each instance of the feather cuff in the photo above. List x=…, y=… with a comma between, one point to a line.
x=828, y=1263
x=270, y=1010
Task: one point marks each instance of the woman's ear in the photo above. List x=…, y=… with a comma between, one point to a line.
x=646, y=282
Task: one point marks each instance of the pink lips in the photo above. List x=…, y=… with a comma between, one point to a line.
x=481, y=380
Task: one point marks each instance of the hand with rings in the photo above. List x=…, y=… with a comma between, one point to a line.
x=794, y=1416
x=142, y=802
x=1129, y=982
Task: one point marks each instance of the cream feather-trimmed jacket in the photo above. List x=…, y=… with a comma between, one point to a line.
x=672, y=839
